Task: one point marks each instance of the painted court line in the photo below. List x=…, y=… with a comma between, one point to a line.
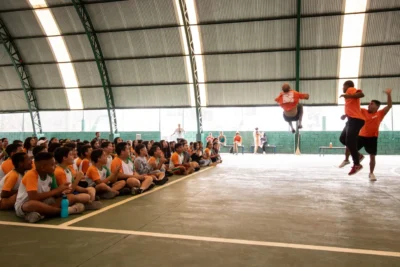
x=211, y=239
x=84, y=217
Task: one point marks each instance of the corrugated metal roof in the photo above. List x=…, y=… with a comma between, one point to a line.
x=22, y=23
x=12, y=4
x=256, y=66
x=132, y=14
x=9, y=78
x=321, y=31
x=141, y=43
x=52, y=99
x=93, y=98
x=373, y=89
x=249, y=36
x=67, y=19
x=14, y=100
x=46, y=75
x=79, y=47
x=319, y=63
x=380, y=60
x=321, y=92
x=222, y=10
x=156, y=70
x=382, y=27
x=35, y=50
x=232, y=94
x=87, y=74
x=380, y=4
x=312, y=7
x=151, y=96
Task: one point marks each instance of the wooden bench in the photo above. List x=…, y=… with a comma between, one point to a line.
x=229, y=146
x=322, y=149
x=266, y=148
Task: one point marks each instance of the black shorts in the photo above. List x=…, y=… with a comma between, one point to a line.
x=295, y=118
x=369, y=143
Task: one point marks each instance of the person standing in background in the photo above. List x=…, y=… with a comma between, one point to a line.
x=257, y=141
x=179, y=133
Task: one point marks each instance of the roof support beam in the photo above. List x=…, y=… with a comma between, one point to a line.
x=189, y=39
x=24, y=77
x=101, y=65
x=298, y=38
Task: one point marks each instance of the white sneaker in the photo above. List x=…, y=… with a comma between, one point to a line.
x=372, y=177
x=76, y=208
x=344, y=163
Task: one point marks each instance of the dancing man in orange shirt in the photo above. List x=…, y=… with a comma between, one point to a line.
x=355, y=121
x=368, y=136
x=289, y=101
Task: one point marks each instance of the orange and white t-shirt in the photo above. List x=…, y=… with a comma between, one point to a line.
x=63, y=175
x=6, y=167
x=207, y=152
x=176, y=159
x=84, y=166
x=352, y=105
x=289, y=100
x=93, y=174
x=32, y=182
x=127, y=167
x=372, y=122
x=11, y=181
x=237, y=138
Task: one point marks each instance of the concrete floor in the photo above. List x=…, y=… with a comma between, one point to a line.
x=303, y=200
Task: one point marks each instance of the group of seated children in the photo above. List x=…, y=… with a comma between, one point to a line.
x=35, y=175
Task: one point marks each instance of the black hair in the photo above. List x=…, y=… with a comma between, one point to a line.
x=52, y=139
x=86, y=142
x=72, y=146
x=17, y=158
x=96, y=154
x=120, y=147
x=84, y=149
x=377, y=102
x=349, y=83
x=60, y=153
x=38, y=149
x=93, y=142
x=116, y=139
x=4, y=138
x=12, y=148
x=43, y=156
x=17, y=142
x=53, y=147
x=153, y=150
x=178, y=145
x=27, y=143
x=139, y=147
x=43, y=138
x=105, y=144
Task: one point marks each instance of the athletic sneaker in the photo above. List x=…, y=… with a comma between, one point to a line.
x=361, y=157
x=95, y=205
x=344, y=163
x=125, y=191
x=33, y=217
x=372, y=177
x=76, y=208
x=161, y=182
x=355, y=169
x=136, y=191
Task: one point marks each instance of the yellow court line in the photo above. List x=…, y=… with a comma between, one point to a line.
x=212, y=239
x=84, y=217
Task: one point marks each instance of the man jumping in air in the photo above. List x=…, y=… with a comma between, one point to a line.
x=368, y=136
x=289, y=101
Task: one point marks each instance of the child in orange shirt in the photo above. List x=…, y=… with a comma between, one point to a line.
x=289, y=101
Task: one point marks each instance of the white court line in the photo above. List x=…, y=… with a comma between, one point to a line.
x=84, y=217
x=393, y=170
x=212, y=239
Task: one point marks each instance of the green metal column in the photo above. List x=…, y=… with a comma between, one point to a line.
x=298, y=29
x=189, y=39
x=11, y=48
x=101, y=65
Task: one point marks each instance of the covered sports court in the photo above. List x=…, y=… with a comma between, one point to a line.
x=135, y=69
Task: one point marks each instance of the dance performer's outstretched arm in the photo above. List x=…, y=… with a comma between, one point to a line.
x=386, y=109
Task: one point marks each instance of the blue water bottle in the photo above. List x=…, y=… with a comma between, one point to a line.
x=64, y=206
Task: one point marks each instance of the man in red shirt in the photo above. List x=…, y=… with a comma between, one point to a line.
x=289, y=101
x=355, y=121
x=368, y=136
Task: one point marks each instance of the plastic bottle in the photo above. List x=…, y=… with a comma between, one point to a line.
x=64, y=206
x=330, y=144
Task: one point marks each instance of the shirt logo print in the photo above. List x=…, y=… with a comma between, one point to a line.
x=288, y=98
